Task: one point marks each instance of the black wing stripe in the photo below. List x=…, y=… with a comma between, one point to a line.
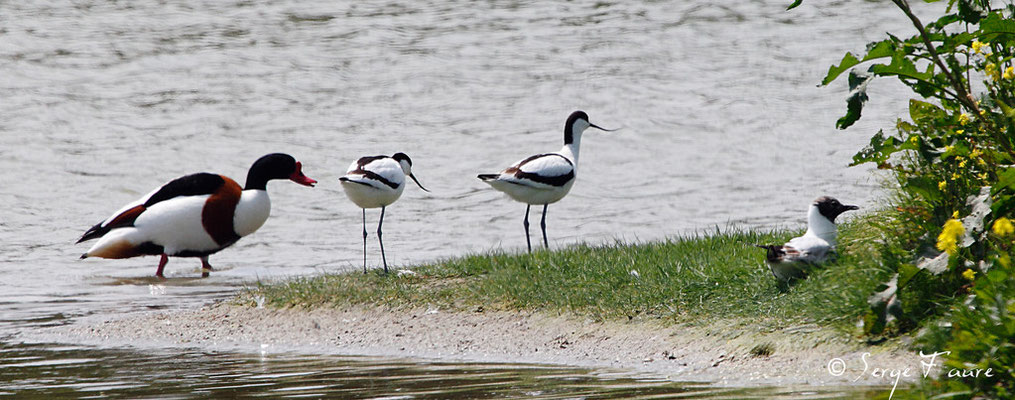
x=538, y=156
x=372, y=176
x=556, y=181
x=363, y=161
x=191, y=185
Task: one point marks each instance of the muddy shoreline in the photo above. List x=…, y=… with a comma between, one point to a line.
x=725, y=353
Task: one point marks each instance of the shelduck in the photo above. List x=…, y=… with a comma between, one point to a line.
x=193, y=216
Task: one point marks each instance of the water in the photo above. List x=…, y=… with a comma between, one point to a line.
x=104, y=100
x=87, y=373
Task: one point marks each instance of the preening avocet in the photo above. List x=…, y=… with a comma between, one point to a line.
x=377, y=181
x=543, y=179
x=193, y=216
x=789, y=261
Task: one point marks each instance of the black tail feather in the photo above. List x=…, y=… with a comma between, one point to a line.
x=774, y=252
x=94, y=232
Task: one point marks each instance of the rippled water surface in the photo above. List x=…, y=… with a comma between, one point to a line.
x=88, y=373
x=721, y=122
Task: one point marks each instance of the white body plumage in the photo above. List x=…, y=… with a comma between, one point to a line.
x=376, y=183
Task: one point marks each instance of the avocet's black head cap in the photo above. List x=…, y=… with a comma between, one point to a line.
x=399, y=157
x=831, y=208
x=576, y=116
x=276, y=166
x=574, y=119
x=402, y=157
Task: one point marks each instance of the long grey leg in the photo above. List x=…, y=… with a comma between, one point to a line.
x=526, y=223
x=542, y=224
x=382, y=240
x=364, y=240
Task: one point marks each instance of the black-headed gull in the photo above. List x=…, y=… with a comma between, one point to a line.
x=788, y=261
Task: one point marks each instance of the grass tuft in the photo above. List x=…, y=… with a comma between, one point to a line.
x=681, y=279
x=763, y=350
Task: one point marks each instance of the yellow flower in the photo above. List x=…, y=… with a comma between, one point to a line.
x=992, y=72
x=1003, y=227
x=960, y=131
x=962, y=162
x=983, y=176
x=969, y=274
x=955, y=176
x=975, y=153
x=955, y=214
x=1009, y=73
x=942, y=185
x=914, y=139
x=978, y=46
x=948, y=240
x=963, y=118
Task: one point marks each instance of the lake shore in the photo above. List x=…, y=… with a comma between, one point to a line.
x=726, y=353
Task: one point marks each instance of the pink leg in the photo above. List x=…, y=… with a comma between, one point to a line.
x=205, y=267
x=162, y=265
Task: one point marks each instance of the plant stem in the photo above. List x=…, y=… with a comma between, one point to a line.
x=962, y=94
x=960, y=89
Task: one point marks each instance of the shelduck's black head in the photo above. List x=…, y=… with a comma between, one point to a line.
x=276, y=166
x=406, y=164
x=577, y=123
x=831, y=208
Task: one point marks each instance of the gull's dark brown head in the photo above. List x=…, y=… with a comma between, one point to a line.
x=831, y=208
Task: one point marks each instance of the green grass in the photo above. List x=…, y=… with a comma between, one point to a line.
x=714, y=275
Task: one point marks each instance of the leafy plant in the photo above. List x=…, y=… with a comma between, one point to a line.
x=953, y=162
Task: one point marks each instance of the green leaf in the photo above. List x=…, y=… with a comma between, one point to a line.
x=902, y=67
x=969, y=12
x=875, y=50
x=848, y=61
x=880, y=149
x=906, y=273
x=1006, y=179
x=857, y=96
x=1008, y=111
x=924, y=113
x=925, y=187
x=995, y=26
x=795, y=4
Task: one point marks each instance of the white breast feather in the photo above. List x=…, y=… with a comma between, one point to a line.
x=176, y=225
x=807, y=248
x=251, y=212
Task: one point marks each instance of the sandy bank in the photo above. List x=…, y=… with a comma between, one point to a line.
x=720, y=353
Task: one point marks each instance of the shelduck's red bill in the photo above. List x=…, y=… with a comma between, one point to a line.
x=298, y=177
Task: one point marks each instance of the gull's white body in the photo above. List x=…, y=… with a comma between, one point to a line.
x=813, y=247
